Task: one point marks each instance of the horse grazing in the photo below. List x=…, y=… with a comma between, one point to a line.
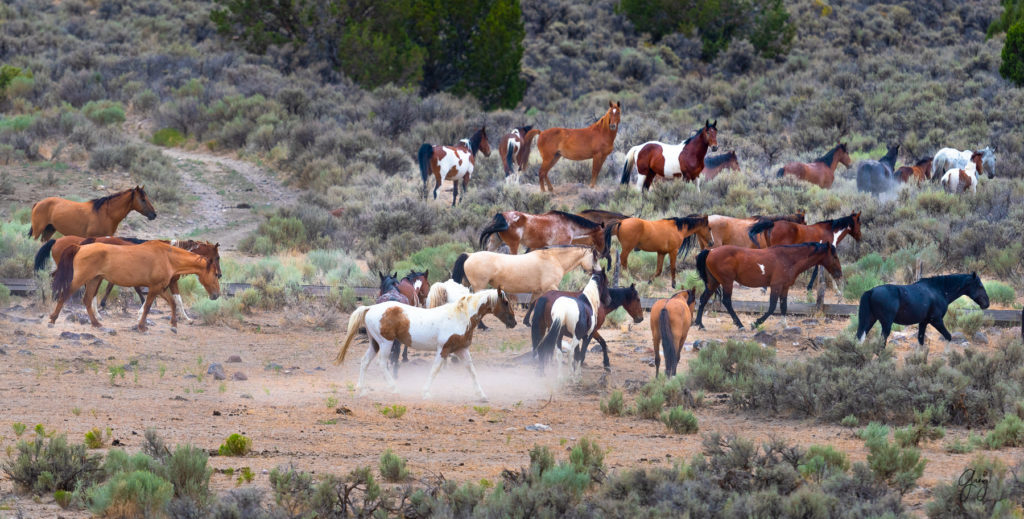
x=670, y=323
x=627, y=298
x=515, y=151
x=669, y=237
x=790, y=233
x=715, y=164
x=97, y=217
x=536, y=231
x=822, y=171
x=949, y=158
x=726, y=230
x=877, y=176
x=593, y=142
x=685, y=159
x=920, y=171
x=446, y=330
x=959, y=180
x=602, y=216
x=923, y=303
x=776, y=267
x=152, y=264
x=574, y=317
x=453, y=163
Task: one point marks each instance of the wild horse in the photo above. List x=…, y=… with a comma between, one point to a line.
x=726, y=230
x=669, y=237
x=536, y=231
x=574, y=317
x=97, y=217
x=515, y=151
x=878, y=176
x=822, y=171
x=670, y=323
x=593, y=142
x=453, y=163
x=685, y=159
x=790, y=233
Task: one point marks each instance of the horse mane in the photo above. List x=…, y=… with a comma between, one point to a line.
x=523, y=130
x=608, y=213
x=136, y=241
x=713, y=161
x=690, y=221
x=97, y=203
x=474, y=140
x=795, y=218
x=576, y=219
x=840, y=223
x=413, y=275
x=564, y=246
x=818, y=246
x=947, y=281
x=388, y=284
x=620, y=295
x=922, y=162
x=692, y=135
x=462, y=304
x=827, y=158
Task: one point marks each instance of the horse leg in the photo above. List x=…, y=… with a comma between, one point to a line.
x=145, y=309
x=657, y=272
x=433, y=373
x=604, y=349
x=405, y=354
x=920, y=332
x=385, y=356
x=437, y=184
x=529, y=311
x=393, y=361
x=89, y=299
x=773, y=299
x=727, y=301
x=941, y=327
x=110, y=288
x=582, y=356
x=166, y=295
x=595, y=168
x=371, y=352
x=700, y=315
x=177, y=298
x=783, y=301
x=672, y=268
x=465, y=357
x=886, y=329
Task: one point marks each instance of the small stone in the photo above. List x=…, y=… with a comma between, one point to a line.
x=217, y=371
x=959, y=337
x=25, y=352
x=640, y=349
x=343, y=410
x=793, y=330
x=238, y=375
x=70, y=336
x=765, y=338
x=245, y=395
x=180, y=398
x=234, y=358
x=3, y=351
x=648, y=360
x=109, y=331
x=700, y=344
x=216, y=413
x=810, y=322
x=597, y=349
x=539, y=427
x=980, y=338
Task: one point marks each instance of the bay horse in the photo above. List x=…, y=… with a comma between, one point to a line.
x=669, y=237
x=535, y=272
x=726, y=230
x=152, y=264
x=924, y=302
x=920, y=171
x=959, y=180
x=446, y=330
x=821, y=171
x=715, y=164
x=515, y=151
x=574, y=317
x=776, y=267
x=784, y=232
x=97, y=217
x=670, y=324
x=625, y=297
x=593, y=142
x=536, y=231
x=602, y=216
x=685, y=159
x=453, y=163
x=949, y=158
x=877, y=176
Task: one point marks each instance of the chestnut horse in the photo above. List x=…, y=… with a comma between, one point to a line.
x=776, y=267
x=920, y=172
x=790, y=233
x=453, y=163
x=536, y=231
x=515, y=151
x=670, y=323
x=152, y=264
x=726, y=230
x=715, y=164
x=821, y=172
x=97, y=217
x=685, y=159
x=669, y=237
x=593, y=142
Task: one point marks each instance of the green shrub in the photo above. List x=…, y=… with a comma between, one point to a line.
x=588, y=458
x=1000, y=293
x=187, y=469
x=1012, y=67
x=94, y=438
x=1009, y=432
x=5, y=295
x=104, y=113
x=394, y=411
x=613, y=405
x=131, y=494
x=821, y=461
x=899, y=467
x=221, y=311
x=63, y=498
x=168, y=138
x=392, y=467
x=722, y=367
x=679, y=420
x=276, y=234
x=235, y=445
x=649, y=406
x=965, y=316
x=858, y=283
x=49, y=464
x=849, y=421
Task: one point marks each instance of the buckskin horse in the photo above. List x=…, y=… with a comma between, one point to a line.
x=877, y=176
x=920, y=171
x=97, y=217
x=820, y=172
x=536, y=231
x=453, y=163
x=515, y=151
x=574, y=317
x=776, y=267
x=669, y=237
x=685, y=159
x=715, y=164
x=726, y=230
x=593, y=142
x=446, y=330
x=670, y=324
x=921, y=303
x=784, y=232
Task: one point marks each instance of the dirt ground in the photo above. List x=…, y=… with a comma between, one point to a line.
x=284, y=404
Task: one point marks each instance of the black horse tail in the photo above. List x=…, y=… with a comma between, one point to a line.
x=508, y=156
x=864, y=315
x=780, y=172
x=537, y=325
x=627, y=168
x=668, y=342
x=459, y=270
x=44, y=252
x=765, y=227
x=686, y=246
x=550, y=341
x=498, y=224
x=702, y=269
x=814, y=276
x=424, y=155
x=608, y=232
x=64, y=274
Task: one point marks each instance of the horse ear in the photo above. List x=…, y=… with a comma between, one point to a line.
x=611, y=104
x=707, y=122
x=618, y=104
x=715, y=124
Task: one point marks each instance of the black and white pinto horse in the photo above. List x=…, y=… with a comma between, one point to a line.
x=924, y=303
x=576, y=318
x=876, y=176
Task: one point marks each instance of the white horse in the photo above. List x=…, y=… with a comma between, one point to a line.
x=446, y=329
x=444, y=292
x=949, y=158
x=959, y=180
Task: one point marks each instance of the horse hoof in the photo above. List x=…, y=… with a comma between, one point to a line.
x=50, y=325
x=174, y=329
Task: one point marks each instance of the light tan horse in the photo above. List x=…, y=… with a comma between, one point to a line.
x=670, y=323
x=593, y=142
x=98, y=217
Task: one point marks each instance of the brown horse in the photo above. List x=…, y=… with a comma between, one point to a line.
x=515, y=151
x=784, y=232
x=453, y=163
x=593, y=142
x=920, y=172
x=602, y=216
x=726, y=230
x=97, y=217
x=685, y=159
x=776, y=267
x=152, y=264
x=669, y=237
x=821, y=172
x=536, y=231
x=670, y=323
x=715, y=164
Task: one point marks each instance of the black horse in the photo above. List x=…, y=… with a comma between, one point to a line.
x=581, y=310
x=923, y=303
x=876, y=176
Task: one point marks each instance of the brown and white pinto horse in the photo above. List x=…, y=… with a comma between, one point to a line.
x=715, y=164
x=726, y=230
x=593, y=142
x=536, y=231
x=669, y=237
x=685, y=159
x=670, y=323
x=515, y=151
x=97, y=217
x=920, y=172
x=453, y=163
x=821, y=172
x=784, y=232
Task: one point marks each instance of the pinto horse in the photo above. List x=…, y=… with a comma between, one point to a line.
x=446, y=330
x=685, y=159
x=627, y=298
x=444, y=292
x=715, y=164
x=949, y=158
x=959, y=180
x=726, y=230
x=453, y=163
x=822, y=171
x=152, y=264
x=515, y=151
x=877, y=176
x=574, y=317
x=97, y=217
x=536, y=231
x=922, y=303
x=669, y=237
x=593, y=142
x=920, y=171
x=670, y=323
x=790, y=233
x=776, y=267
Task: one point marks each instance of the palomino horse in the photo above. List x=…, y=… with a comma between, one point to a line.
x=152, y=264
x=821, y=172
x=921, y=303
x=453, y=163
x=602, y=216
x=446, y=330
x=627, y=298
x=790, y=233
x=877, y=176
x=959, y=180
x=776, y=267
x=669, y=237
x=574, y=317
x=685, y=159
x=515, y=151
x=593, y=142
x=536, y=231
x=670, y=323
x=535, y=272
x=97, y=217
x=715, y=164
x=726, y=230
x=920, y=171
x=949, y=158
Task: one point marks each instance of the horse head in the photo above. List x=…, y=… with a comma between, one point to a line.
x=502, y=308
x=210, y=251
x=831, y=262
x=710, y=134
x=614, y=115
x=141, y=203
x=478, y=142
x=975, y=290
x=843, y=155
x=989, y=160
x=210, y=279
x=976, y=159
x=855, y=228
x=633, y=305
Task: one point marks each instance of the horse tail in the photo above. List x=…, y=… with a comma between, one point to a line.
x=65, y=273
x=686, y=246
x=668, y=346
x=537, y=326
x=354, y=322
x=43, y=253
x=527, y=139
x=498, y=224
x=437, y=296
x=702, y=269
x=608, y=232
x=550, y=341
x=508, y=156
x=864, y=314
x=780, y=172
x=627, y=168
x=424, y=155
x=765, y=227
x=459, y=270
x=814, y=276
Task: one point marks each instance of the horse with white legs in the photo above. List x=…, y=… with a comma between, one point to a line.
x=446, y=329
x=573, y=317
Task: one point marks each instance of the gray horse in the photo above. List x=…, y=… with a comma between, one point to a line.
x=876, y=176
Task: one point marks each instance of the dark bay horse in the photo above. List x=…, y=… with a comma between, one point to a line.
x=574, y=317
x=97, y=217
x=784, y=232
x=669, y=237
x=921, y=171
x=453, y=163
x=822, y=171
x=593, y=142
x=515, y=151
x=726, y=230
x=715, y=164
x=389, y=289
x=670, y=323
x=685, y=159
x=877, y=176
x=627, y=298
x=922, y=303
x=536, y=231
x=776, y=267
